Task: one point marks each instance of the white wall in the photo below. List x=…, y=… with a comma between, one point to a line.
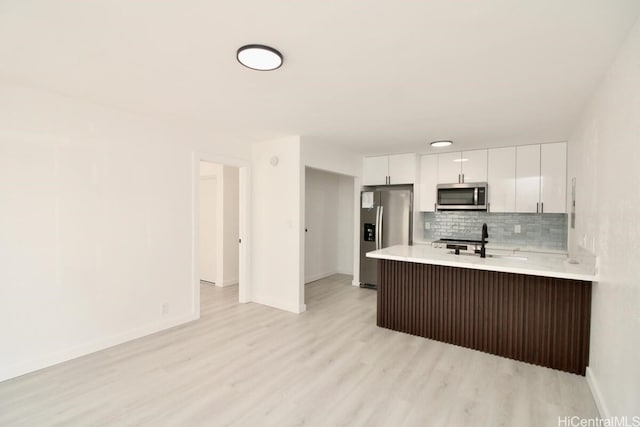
x=276, y=228
x=346, y=226
x=230, y=225
x=95, y=226
x=603, y=157
x=208, y=227
x=323, y=155
x=210, y=169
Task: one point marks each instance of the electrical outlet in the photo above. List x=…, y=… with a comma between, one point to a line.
x=165, y=309
x=427, y=226
x=517, y=229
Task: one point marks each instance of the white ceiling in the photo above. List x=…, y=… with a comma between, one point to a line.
x=380, y=76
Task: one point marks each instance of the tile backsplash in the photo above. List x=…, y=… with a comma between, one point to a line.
x=544, y=231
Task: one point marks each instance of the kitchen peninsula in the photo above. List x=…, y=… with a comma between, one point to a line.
x=534, y=308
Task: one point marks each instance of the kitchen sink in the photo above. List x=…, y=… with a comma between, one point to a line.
x=496, y=256
x=463, y=253
x=512, y=257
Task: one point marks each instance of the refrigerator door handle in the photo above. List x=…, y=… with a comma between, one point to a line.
x=379, y=228
x=380, y=225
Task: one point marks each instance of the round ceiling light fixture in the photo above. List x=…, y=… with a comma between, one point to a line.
x=441, y=143
x=259, y=57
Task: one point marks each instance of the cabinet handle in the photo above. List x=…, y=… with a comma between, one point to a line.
x=537, y=207
x=459, y=182
x=488, y=207
x=462, y=179
x=541, y=207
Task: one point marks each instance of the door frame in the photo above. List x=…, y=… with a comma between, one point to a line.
x=244, y=280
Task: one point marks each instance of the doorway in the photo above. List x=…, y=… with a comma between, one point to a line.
x=220, y=192
x=219, y=224
x=329, y=224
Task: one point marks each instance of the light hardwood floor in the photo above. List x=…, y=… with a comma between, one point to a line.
x=250, y=365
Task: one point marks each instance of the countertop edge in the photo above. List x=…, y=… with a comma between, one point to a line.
x=488, y=267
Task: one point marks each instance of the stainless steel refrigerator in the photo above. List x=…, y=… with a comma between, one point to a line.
x=386, y=219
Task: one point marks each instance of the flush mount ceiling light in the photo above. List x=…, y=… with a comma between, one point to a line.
x=259, y=57
x=441, y=143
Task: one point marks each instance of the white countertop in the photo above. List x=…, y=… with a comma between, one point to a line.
x=536, y=264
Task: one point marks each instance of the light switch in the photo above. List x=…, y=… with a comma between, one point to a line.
x=517, y=229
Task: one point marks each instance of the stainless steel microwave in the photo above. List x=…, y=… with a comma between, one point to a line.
x=467, y=196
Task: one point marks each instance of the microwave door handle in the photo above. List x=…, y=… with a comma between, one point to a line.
x=475, y=196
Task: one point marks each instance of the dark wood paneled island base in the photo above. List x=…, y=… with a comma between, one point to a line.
x=540, y=320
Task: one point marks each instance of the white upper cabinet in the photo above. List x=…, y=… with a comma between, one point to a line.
x=553, y=178
x=502, y=179
x=375, y=170
x=527, y=178
x=402, y=168
x=449, y=168
x=465, y=166
x=393, y=169
x=428, y=182
x=541, y=178
x=474, y=166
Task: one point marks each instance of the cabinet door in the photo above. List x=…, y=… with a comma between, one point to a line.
x=474, y=166
x=553, y=177
x=527, y=178
x=502, y=179
x=449, y=169
x=402, y=168
x=428, y=182
x=375, y=170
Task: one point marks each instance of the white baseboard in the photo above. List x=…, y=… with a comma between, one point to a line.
x=280, y=305
x=229, y=282
x=603, y=409
x=319, y=276
x=47, y=360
